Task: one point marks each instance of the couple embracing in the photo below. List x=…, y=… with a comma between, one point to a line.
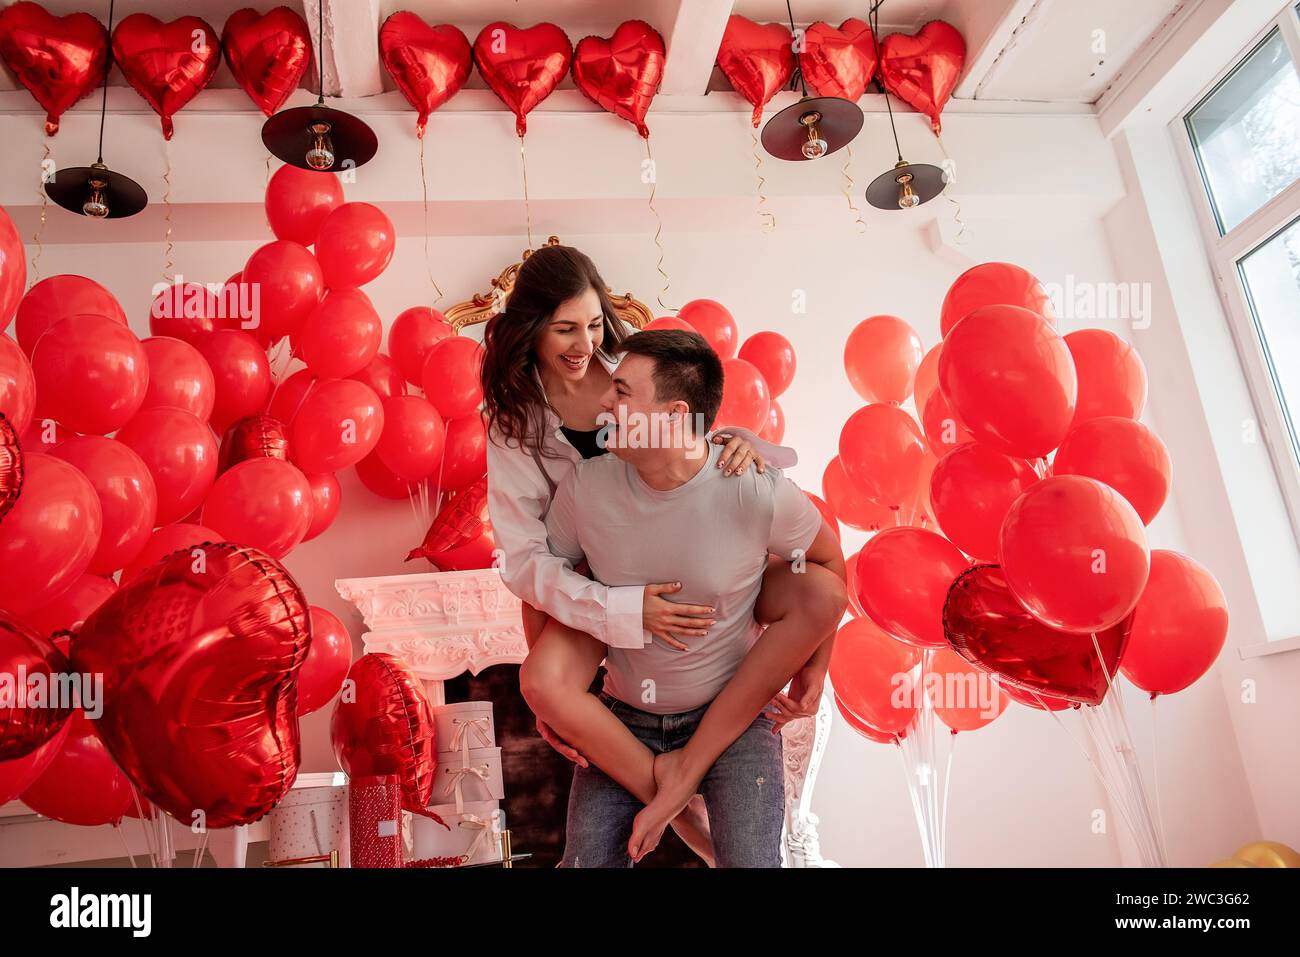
x=682, y=559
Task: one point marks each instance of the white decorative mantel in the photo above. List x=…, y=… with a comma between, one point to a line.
x=445, y=623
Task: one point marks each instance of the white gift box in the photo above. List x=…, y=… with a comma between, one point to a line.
x=473, y=832
x=475, y=775
x=463, y=725
x=311, y=819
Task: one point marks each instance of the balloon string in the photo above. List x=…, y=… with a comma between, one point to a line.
x=528, y=212
x=424, y=197
x=858, y=222
x=40, y=229
x=659, y=227
x=1155, y=775
x=125, y=846
x=168, y=264
x=201, y=849
x=766, y=218
x=947, y=779
x=949, y=177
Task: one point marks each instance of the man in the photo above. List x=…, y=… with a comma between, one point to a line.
x=658, y=509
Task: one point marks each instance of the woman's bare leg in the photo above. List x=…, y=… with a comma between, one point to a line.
x=803, y=610
x=555, y=680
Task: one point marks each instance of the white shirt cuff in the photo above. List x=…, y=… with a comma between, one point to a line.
x=623, y=615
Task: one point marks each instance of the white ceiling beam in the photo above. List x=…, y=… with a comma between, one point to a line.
x=989, y=41
x=351, y=49
x=692, y=42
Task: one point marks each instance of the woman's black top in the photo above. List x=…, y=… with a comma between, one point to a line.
x=587, y=443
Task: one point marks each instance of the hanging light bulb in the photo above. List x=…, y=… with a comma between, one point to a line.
x=814, y=146
x=97, y=204
x=321, y=154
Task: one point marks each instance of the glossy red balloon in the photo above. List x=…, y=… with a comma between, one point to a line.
x=18, y=775
x=1179, y=625
x=669, y=322
x=267, y=54
x=91, y=374
x=257, y=436
x=827, y=514
x=1112, y=376
x=838, y=62
x=943, y=431
x=179, y=377
x=298, y=200
x=30, y=664
x=71, y=606
x=1009, y=378
x=200, y=660
x=50, y=535
x=187, y=311
x=326, y=498
x=1123, y=454
x=413, y=333
x=1074, y=554
x=167, y=63
x=338, y=425
x=850, y=504
x=993, y=284
x=462, y=519
x=881, y=357
x=342, y=335
x=413, y=438
x=327, y=664
x=11, y=466
x=242, y=375
x=386, y=727
x=289, y=394
x=882, y=450
x=17, y=385
x=382, y=375
x=263, y=503
x=745, y=398
x=774, y=428
x=180, y=452
x=922, y=69
x=464, y=459
x=452, y=376
x=378, y=478
x=965, y=698
x=987, y=626
x=971, y=490
x=354, y=245
x=13, y=258
x=479, y=553
x=286, y=283
x=712, y=320
x=927, y=379
x=522, y=67
x=903, y=576
x=127, y=497
x=622, y=74
x=771, y=354
x=428, y=64
x=57, y=298
x=757, y=59
x=168, y=539
x=1036, y=700
x=58, y=59
x=875, y=676
x=82, y=785
x=861, y=727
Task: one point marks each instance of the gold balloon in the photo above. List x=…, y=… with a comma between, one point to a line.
x=1268, y=854
x=1231, y=862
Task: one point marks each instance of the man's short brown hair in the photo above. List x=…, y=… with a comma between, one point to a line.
x=686, y=368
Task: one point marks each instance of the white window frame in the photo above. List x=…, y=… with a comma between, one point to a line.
x=1228, y=249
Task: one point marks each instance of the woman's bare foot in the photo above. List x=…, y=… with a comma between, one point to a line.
x=676, y=788
x=692, y=826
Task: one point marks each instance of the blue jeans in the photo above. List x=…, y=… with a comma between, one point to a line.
x=744, y=793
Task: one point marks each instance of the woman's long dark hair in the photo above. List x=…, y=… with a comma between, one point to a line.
x=513, y=397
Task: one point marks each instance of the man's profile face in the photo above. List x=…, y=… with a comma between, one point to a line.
x=641, y=421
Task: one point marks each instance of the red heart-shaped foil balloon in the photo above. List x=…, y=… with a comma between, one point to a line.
x=267, y=53
x=58, y=59
x=462, y=520
x=757, y=59
x=429, y=64
x=29, y=664
x=11, y=466
x=838, y=62
x=522, y=66
x=167, y=63
x=256, y=436
x=987, y=626
x=199, y=655
x=622, y=74
x=922, y=69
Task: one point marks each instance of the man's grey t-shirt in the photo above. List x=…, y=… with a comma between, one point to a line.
x=712, y=534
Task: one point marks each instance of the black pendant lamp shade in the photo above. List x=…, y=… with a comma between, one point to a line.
x=816, y=126
x=906, y=186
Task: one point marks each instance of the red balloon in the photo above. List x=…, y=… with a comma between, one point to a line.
x=257, y=436
x=412, y=441
x=382, y=375
x=386, y=727
x=199, y=662
x=242, y=375
x=882, y=451
x=165, y=541
x=669, y=322
x=850, y=504
x=881, y=357
x=17, y=385
x=17, y=776
x=49, y=537
x=179, y=377
x=184, y=310
x=289, y=395
x=377, y=477
x=861, y=727
x=873, y=673
x=58, y=59
x=621, y=75
x=338, y=425
x=91, y=374
x=903, y=575
x=1123, y=454
x=11, y=466
x=27, y=657
x=1179, y=625
x=712, y=320
x=180, y=452
x=452, y=376
x=757, y=59
x=838, y=62
x=1040, y=702
x=167, y=63
x=354, y=245
x=1112, y=377
x=522, y=67
x=327, y=664
x=745, y=399
x=971, y=490
x=943, y=431
x=774, y=428
x=464, y=459
x=267, y=54
x=1009, y=378
x=827, y=514
x=988, y=627
x=1074, y=554
x=298, y=200
x=286, y=284
x=326, y=498
x=263, y=503
x=341, y=336
x=412, y=335
x=927, y=379
x=479, y=553
x=922, y=69
x=13, y=258
x=850, y=566
x=965, y=697
x=71, y=606
x=428, y=64
x=127, y=497
x=771, y=354
x=82, y=785
x=52, y=300
x=462, y=519
x=993, y=284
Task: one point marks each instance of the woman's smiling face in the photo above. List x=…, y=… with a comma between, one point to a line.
x=569, y=340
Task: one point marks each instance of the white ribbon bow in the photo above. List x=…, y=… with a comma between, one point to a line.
x=460, y=740
x=456, y=779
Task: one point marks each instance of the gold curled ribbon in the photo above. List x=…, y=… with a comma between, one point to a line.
x=424, y=199
x=528, y=212
x=659, y=227
x=858, y=222
x=962, y=236
x=168, y=263
x=766, y=217
x=40, y=229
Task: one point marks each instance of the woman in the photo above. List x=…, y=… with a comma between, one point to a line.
x=548, y=361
